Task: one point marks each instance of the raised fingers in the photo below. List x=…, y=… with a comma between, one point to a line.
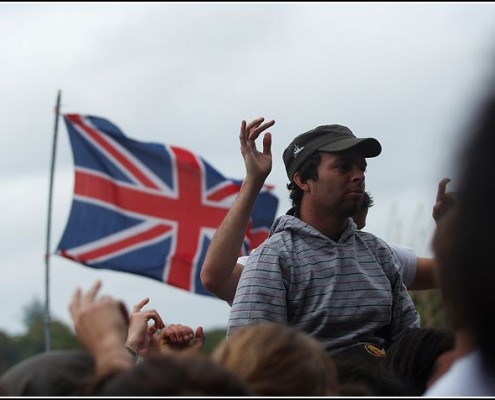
x=242, y=133
x=255, y=123
x=255, y=131
x=442, y=187
x=200, y=338
x=267, y=143
x=256, y=127
x=251, y=130
x=178, y=334
x=75, y=302
x=90, y=295
x=443, y=201
x=155, y=317
x=137, y=307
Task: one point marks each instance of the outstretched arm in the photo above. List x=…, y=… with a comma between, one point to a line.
x=426, y=267
x=425, y=274
x=220, y=272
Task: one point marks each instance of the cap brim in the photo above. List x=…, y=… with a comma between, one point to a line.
x=368, y=147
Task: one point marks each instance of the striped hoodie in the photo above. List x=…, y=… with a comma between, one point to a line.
x=342, y=293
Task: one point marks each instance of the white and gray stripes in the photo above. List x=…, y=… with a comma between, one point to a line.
x=342, y=293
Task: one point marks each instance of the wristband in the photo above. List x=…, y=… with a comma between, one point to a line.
x=131, y=351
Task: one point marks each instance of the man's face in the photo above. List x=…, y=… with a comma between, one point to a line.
x=339, y=188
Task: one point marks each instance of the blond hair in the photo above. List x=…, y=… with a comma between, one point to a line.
x=278, y=360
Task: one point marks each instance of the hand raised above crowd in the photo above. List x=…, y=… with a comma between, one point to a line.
x=101, y=325
x=177, y=337
x=142, y=337
x=444, y=200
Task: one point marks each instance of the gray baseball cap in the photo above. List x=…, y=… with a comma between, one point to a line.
x=328, y=138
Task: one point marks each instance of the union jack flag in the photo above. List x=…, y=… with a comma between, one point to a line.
x=147, y=208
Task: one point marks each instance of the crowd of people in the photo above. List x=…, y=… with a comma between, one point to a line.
x=321, y=308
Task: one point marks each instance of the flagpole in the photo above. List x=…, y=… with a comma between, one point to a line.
x=48, y=230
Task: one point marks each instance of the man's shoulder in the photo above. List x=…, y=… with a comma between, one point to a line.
x=376, y=245
x=277, y=243
x=274, y=241
x=371, y=238
x=284, y=222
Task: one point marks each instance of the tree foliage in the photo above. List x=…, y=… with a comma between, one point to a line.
x=16, y=348
x=430, y=307
x=213, y=338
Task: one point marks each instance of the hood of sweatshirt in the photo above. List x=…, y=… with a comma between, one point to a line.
x=291, y=223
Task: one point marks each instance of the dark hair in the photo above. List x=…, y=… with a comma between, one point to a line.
x=367, y=379
x=413, y=356
x=52, y=373
x=367, y=200
x=468, y=278
x=308, y=170
x=173, y=374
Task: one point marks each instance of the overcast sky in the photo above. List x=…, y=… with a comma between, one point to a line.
x=408, y=74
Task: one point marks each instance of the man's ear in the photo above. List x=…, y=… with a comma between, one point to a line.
x=303, y=185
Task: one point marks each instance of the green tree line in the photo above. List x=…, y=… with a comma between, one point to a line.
x=18, y=347
x=15, y=348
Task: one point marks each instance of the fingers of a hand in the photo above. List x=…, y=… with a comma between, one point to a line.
x=254, y=123
x=242, y=133
x=168, y=335
x=75, y=302
x=254, y=132
x=178, y=336
x=187, y=335
x=91, y=293
x=200, y=335
x=442, y=186
x=152, y=329
x=137, y=307
x=155, y=317
x=179, y=333
x=267, y=144
x=184, y=333
x=250, y=131
x=124, y=312
x=200, y=339
x=266, y=125
x=436, y=209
